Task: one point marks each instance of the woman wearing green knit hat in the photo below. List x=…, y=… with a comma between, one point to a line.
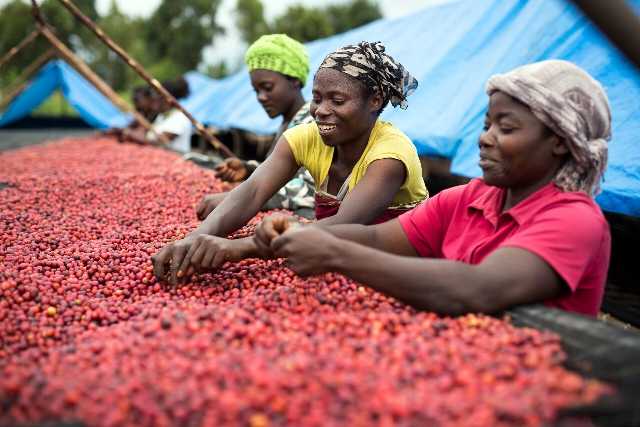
x=278, y=66
x=365, y=170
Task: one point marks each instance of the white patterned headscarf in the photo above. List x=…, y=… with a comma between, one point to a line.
x=574, y=106
x=376, y=69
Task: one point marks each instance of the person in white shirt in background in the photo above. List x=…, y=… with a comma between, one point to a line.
x=170, y=122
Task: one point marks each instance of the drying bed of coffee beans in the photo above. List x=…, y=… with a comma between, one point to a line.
x=87, y=334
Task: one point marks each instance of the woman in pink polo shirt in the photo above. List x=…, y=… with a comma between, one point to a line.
x=528, y=231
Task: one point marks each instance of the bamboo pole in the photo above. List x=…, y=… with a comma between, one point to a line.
x=100, y=84
x=618, y=21
x=71, y=7
x=25, y=76
x=17, y=48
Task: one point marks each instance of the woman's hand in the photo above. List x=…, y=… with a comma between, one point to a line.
x=232, y=170
x=136, y=136
x=199, y=253
x=124, y=135
x=210, y=252
x=270, y=228
x=112, y=131
x=309, y=250
x=208, y=204
x=172, y=255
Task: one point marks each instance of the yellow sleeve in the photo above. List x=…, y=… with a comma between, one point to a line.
x=392, y=143
x=308, y=149
x=298, y=137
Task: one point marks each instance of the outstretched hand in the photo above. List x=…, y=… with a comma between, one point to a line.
x=199, y=253
x=210, y=252
x=232, y=170
x=208, y=204
x=172, y=256
x=309, y=250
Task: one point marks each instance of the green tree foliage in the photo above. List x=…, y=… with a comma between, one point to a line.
x=68, y=29
x=250, y=20
x=165, y=69
x=127, y=33
x=169, y=42
x=218, y=70
x=305, y=23
x=344, y=17
x=179, y=30
x=16, y=22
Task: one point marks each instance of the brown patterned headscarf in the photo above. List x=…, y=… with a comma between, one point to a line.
x=370, y=64
x=575, y=107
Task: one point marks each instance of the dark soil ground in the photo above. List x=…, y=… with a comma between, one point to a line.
x=16, y=138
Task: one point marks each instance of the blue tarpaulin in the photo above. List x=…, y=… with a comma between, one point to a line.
x=199, y=85
x=452, y=49
x=93, y=107
x=203, y=92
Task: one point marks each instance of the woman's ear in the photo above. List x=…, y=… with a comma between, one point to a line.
x=375, y=102
x=559, y=147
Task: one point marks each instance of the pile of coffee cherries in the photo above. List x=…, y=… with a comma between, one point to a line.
x=87, y=334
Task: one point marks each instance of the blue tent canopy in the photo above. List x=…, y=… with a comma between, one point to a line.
x=452, y=49
x=93, y=107
x=199, y=85
x=197, y=81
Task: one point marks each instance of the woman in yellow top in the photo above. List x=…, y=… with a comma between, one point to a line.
x=365, y=170
x=311, y=149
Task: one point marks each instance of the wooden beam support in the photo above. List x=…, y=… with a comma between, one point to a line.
x=23, y=79
x=618, y=21
x=17, y=48
x=154, y=83
x=100, y=84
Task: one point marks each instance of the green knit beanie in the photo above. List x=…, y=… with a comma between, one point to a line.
x=280, y=53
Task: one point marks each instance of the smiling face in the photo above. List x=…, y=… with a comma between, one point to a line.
x=517, y=150
x=341, y=107
x=274, y=91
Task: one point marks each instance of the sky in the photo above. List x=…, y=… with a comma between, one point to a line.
x=230, y=47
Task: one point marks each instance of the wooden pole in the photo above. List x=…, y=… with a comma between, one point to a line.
x=25, y=76
x=146, y=76
x=618, y=21
x=17, y=48
x=100, y=84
